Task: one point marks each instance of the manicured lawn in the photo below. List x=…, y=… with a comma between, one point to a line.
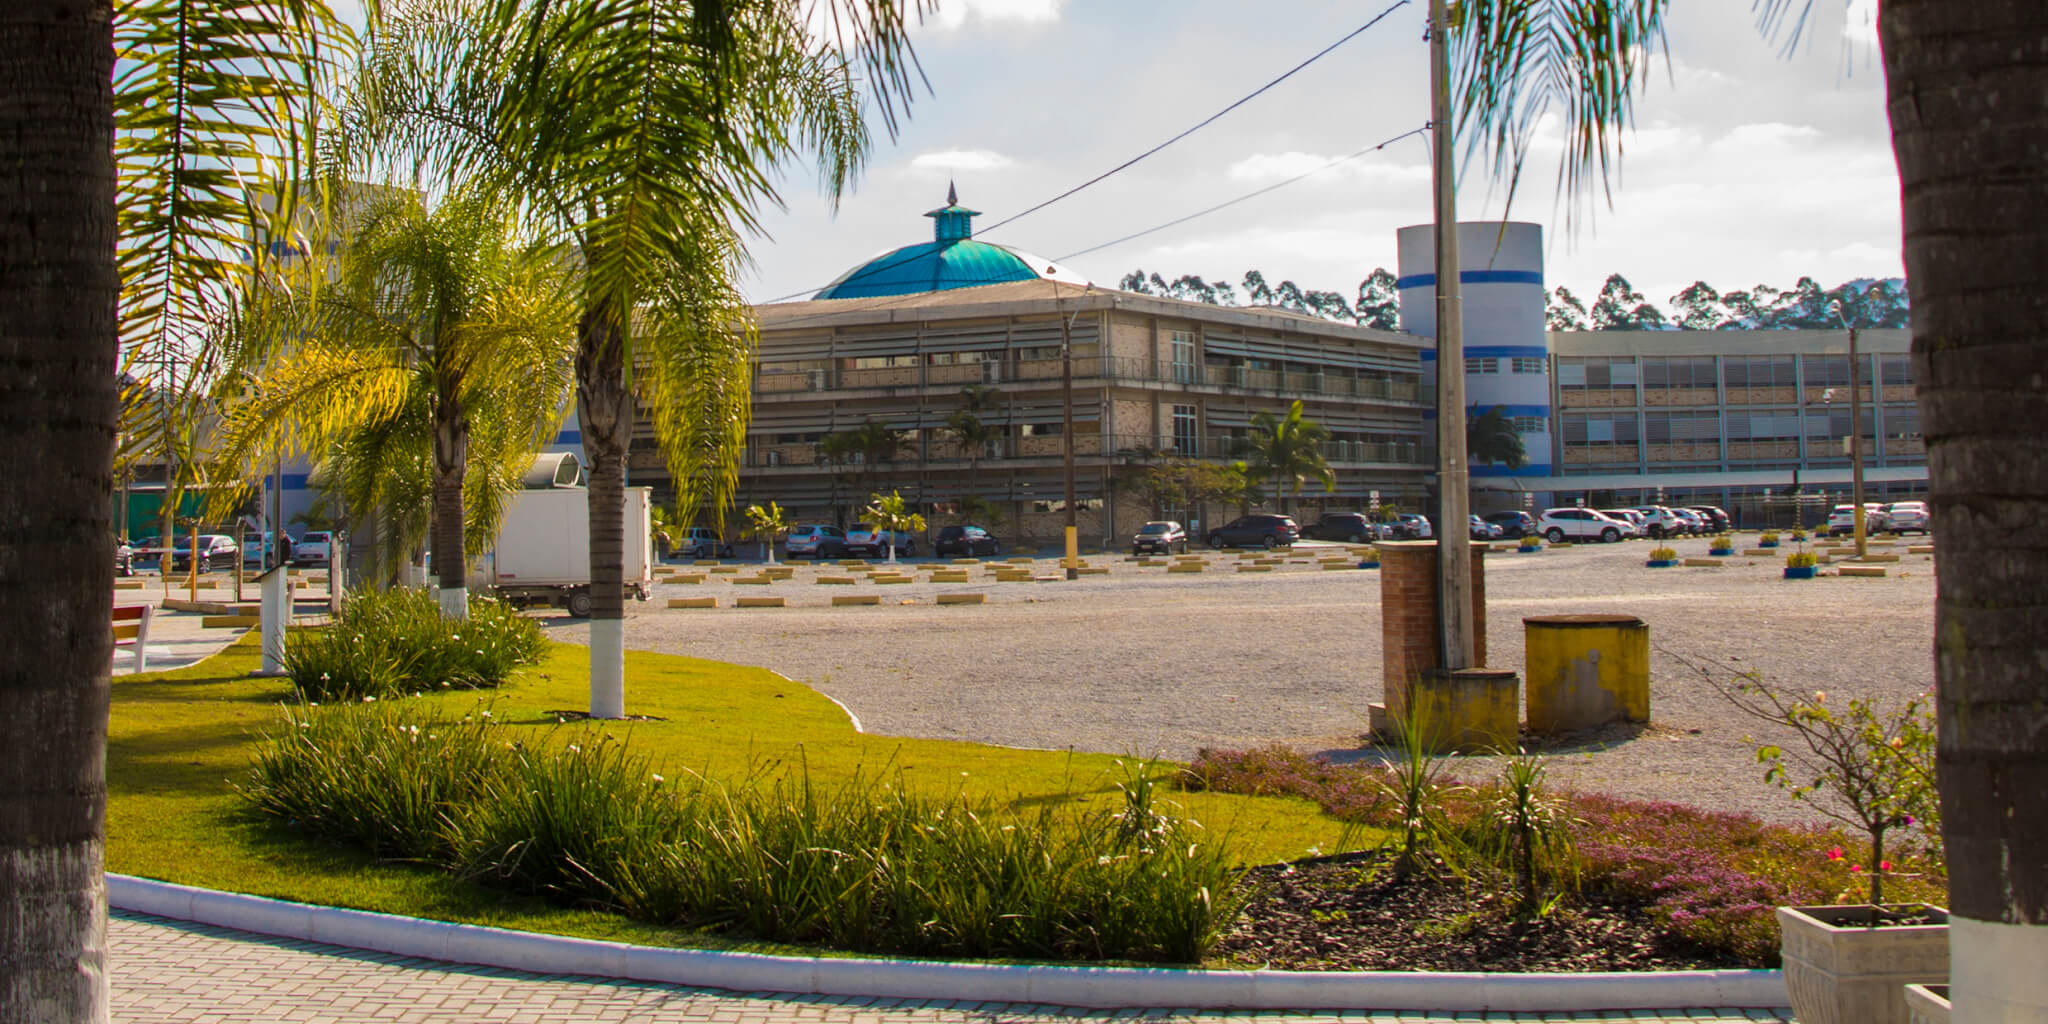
x=178, y=741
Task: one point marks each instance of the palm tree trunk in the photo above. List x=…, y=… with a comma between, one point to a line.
x=604, y=408
x=1968, y=96
x=451, y=464
x=57, y=415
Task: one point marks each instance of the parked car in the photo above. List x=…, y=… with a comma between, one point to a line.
x=256, y=549
x=1904, y=516
x=1633, y=518
x=1483, y=530
x=313, y=548
x=1349, y=527
x=1695, y=525
x=1843, y=519
x=815, y=540
x=702, y=542
x=1259, y=530
x=1161, y=536
x=1562, y=524
x=1411, y=526
x=1661, y=522
x=868, y=539
x=974, y=540
x=216, y=551
x=1717, y=520
x=1513, y=524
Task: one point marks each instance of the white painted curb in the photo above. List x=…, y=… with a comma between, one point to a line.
x=1092, y=987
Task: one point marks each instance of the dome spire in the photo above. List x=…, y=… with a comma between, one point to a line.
x=952, y=222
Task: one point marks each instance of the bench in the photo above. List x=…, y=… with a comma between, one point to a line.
x=131, y=629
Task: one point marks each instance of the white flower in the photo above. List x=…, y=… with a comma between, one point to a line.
x=369, y=699
x=658, y=779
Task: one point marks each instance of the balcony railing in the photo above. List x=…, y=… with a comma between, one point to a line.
x=771, y=381
x=1137, y=449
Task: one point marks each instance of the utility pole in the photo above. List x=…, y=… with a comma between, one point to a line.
x=1072, y=561
x=1855, y=431
x=1455, y=643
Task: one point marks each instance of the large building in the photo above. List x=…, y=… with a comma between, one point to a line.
x=901, y=342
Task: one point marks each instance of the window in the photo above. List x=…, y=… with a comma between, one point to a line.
x=1481, y=365
x=1185, y=431
x=1826, y=371
x=1896, y=371
x=1595, y=373
x=1600, y=428
x=1532, y=424
x=1757, y=371
x=1184, y=366
x=1765, y=425
x=1901, y=422
x=1679, y=372
x=1527, y=364
x=1682, y=427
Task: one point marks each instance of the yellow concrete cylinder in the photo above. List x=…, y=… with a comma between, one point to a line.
x=1585, y=671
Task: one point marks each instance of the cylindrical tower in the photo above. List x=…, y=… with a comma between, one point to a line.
x=1507, y=357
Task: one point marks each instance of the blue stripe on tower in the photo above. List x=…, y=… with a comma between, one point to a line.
x=1534, y=277
x=1496, y=352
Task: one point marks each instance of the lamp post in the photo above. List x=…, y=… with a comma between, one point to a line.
x=1855, y=430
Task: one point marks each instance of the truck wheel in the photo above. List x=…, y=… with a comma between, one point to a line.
x=579, y=603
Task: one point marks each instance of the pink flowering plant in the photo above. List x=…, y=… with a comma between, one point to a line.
x=1870, y=770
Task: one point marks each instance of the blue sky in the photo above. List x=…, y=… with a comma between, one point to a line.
x=1746, y=166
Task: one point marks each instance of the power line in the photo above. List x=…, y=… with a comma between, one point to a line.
x=1212, y=118
x=1247, y=196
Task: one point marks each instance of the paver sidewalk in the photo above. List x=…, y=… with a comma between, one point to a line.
x=170, y=972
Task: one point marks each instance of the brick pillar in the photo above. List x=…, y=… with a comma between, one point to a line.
x=1408, y=615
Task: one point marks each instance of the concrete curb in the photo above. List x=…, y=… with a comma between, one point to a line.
x=1092, y=987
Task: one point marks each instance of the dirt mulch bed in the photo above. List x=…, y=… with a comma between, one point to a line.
x=1350, y=913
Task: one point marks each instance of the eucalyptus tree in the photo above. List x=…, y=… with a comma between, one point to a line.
x=1968, y=94
x=644, y=133
x=425, y=377
x=1287, y=448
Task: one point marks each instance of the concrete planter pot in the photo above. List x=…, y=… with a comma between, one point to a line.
x=1721, y=552
x=1369, y=564
x=1661, y=563
x=1838, y=970
x=1800, y=572
x=1927, y=1004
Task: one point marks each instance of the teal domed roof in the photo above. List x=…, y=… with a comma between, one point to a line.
x=953, y=259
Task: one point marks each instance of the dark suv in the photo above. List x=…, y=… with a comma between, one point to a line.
x=1513, y=524
x=1260, y=530
x=1349, y=527
x=965, y=540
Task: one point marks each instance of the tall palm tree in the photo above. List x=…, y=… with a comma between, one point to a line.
x=645, y=133
x=876, y=443
x=444, y=344
x=1962, y=79
x=1490, y=436
x=1287, y=449
x=969, y=428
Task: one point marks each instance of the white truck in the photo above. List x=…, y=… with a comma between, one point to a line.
x=542, y=555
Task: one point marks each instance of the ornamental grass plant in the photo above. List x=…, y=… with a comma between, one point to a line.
x=864, y=865
x=391, y=642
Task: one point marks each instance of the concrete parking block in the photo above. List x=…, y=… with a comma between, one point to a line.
x=1255, y=567
x=835, y=581
x=1703, y=563
x=228, y=621
x=1186, y=567
x=1862, y=570
x=685, y=578
x=760, y=602
x=693, y=602
x=851, y=600
x=963, y=598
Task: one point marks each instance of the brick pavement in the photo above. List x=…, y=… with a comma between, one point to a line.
x=170, y=972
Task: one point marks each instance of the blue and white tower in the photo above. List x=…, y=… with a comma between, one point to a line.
x=1507, y=357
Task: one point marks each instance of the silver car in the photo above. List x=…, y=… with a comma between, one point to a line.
x=815, y=540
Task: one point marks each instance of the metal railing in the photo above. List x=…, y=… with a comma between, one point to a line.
x=1132, y=449
x=769, y=380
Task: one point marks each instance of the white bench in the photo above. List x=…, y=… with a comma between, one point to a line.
x=131, y=629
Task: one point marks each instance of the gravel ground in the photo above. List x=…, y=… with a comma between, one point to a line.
x=1140, y=662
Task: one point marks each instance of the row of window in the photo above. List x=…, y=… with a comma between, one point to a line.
x=1492, y=364
x=1674, y=372
x=1593, y=428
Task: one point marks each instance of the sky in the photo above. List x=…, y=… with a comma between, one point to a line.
x=1746, y=165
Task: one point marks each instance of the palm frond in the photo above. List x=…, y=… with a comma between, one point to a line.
x=1517, y=62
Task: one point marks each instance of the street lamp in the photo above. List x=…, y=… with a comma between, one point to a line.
x=1855, y=429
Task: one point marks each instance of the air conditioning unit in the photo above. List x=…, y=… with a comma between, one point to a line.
x=774, y=457
x=817, y=380
x=992, y=371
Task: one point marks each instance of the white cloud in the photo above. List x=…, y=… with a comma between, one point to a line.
x=1859, y=27
x=1767, y=133
x=1273, y=167
x=954, y=13
x=949, y=161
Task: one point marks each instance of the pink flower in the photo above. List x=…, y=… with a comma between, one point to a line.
x=1835, y=853
x=1884, y=865
x=1855, y=868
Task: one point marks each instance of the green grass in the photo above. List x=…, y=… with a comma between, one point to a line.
x=179, y=741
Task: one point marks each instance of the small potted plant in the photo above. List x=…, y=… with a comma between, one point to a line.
x=1769, y=539
x=1799, y=535
x=1662, y=557
x=1849, y=964
x=1722, y=546
x=1530, y=543
x=1800, y=565
x=1371, y=558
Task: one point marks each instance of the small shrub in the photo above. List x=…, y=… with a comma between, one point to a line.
x=1723, y=542
x=1530, y=540
x=393, y=642
x=1801, y=560
x=1768, y=537
x=1662, y=554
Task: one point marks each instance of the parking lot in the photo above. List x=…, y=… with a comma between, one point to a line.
x=1140, y=661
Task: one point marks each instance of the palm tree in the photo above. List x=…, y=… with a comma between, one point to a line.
x=645, y=133
x=893, y=514
x=1490, y=436
x=443, y=345
x=875, y=443
x=1975, y=209
x=1287, y=448
x=767, y=523
x=971, y=432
